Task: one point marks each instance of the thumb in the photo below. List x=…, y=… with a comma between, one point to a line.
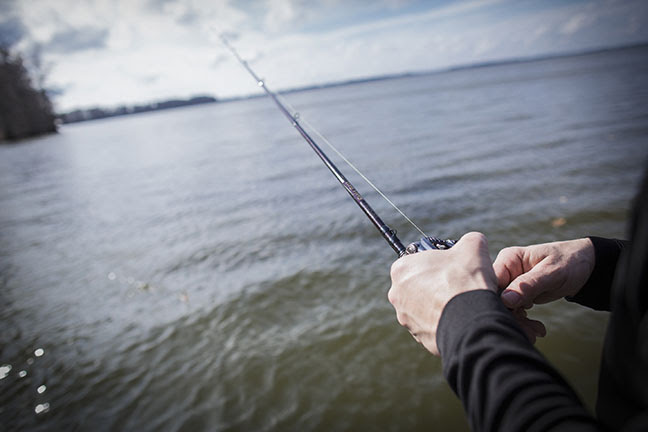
x=525, y=288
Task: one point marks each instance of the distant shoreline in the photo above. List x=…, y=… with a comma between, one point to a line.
x=480, y=65
x=96, y=113
x=81, y=115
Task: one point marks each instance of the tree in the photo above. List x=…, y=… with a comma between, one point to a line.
x=25, y=110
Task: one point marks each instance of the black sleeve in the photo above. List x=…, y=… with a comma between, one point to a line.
x=623, y=391
x=504, y=383
x=596, y=292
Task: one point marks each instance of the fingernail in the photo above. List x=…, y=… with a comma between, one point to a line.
x=511, y=298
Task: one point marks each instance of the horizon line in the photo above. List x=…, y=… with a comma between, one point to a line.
x=372, y=78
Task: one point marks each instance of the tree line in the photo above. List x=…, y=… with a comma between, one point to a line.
x=100, y=113
x=25, y=109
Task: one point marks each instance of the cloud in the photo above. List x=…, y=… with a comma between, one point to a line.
x=152, y=49
x=279, y=14
x=219, y=60
x=156, y=4
x=79, y=39
x=183, y=12
x=12, y=31
x=189, y=18
x=12, y=27
x=7, y=6
x=149, y=79
x=576, y=23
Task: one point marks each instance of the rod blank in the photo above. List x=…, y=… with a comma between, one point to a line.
x=387, y=233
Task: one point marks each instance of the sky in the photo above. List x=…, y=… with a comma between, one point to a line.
x=113, y=52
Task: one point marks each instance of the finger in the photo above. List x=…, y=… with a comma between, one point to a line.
x=508, y=265
x=473, y=240
x=532, y=328
x=538, y=327
x=524, y=289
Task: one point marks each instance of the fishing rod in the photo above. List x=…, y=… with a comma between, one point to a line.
x=425, y=243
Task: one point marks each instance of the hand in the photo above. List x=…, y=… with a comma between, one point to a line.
x=423, y=283
x=540, y=274
x=543, y=273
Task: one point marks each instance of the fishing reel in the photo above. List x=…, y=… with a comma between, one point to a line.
x=429, y=243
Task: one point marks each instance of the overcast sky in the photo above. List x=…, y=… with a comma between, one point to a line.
x=111, y=52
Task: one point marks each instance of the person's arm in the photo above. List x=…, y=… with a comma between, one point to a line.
x=504, y=383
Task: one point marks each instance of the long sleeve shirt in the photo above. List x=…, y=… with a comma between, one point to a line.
x=505, y=384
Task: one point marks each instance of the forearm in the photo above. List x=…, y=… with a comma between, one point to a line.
x=596, y=291
x=503, y=382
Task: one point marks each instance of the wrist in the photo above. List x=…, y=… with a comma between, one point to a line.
x=583, y=261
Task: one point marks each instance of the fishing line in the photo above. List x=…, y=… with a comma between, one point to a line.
x=297, y=115
x=388, y=234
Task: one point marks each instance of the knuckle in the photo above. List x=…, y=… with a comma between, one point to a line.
x=402, y=319
x=474, y=240
x=475, y=236
x=505, y=252
x=508, y=252
x=392, y=296
x=508, y=257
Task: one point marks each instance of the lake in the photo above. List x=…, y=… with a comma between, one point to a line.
x=200, y=269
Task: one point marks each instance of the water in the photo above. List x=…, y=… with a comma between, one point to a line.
x=199, y=269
